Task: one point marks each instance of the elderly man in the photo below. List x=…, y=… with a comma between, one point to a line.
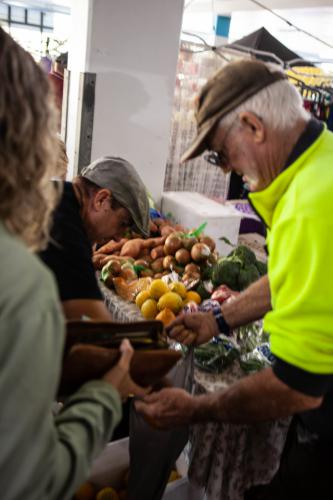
x=251, y=120
x=100, y=204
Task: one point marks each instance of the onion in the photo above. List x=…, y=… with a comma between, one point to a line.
x=183, y=256
x=169, y=262
x=200, y=252
x=208, y=241
x=172, y=244
x=192, y=268
x=189, y=242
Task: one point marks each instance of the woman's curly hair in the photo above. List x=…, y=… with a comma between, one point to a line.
x=28, y=145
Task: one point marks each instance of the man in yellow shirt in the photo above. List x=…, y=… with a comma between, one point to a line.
x=252, y=121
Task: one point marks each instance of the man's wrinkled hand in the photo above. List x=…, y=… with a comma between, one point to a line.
x=119, y=375
x=167, y=408
x=196, y=328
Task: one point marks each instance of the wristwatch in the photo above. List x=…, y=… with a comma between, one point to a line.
x=222, y=325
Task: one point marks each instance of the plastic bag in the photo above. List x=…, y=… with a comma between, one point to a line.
x=128, y=291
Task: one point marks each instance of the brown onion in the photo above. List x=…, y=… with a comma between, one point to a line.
x=192, y=268
x=169, y=262
x=172, y=244
x=208, y=241
x=189, y=242
x=183, y=256
x=200, y=252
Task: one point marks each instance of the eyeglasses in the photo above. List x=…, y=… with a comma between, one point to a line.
x=220, y=158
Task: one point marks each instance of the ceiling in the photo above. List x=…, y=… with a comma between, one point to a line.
x=228, y=6
x=219, y=6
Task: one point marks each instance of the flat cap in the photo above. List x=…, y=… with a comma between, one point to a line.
x=122, y=179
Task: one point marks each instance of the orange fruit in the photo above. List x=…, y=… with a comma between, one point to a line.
x=85, y=492
x=172, y=301
x=192, y=297
x=149, y=309
x=107, y=494
x=166, y=316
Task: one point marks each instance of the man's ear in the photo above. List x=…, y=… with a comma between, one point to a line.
x=102, y=200
x=254, y=125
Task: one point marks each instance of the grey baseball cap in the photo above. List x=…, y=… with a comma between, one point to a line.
x=121, y=178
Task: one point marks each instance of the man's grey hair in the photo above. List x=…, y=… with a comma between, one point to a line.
x=279, y=105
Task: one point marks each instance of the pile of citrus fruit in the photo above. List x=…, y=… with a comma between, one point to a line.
x=164, y=302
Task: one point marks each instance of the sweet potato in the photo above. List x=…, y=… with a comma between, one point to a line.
x=112, y=246
x=157, y=252
x=134, y=248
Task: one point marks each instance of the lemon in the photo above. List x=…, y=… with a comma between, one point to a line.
x=107, y=494
x=172, y=301
x=141, y=298
x=192, y=297
x=158, y=288
x=149, y=309
x=179, y=288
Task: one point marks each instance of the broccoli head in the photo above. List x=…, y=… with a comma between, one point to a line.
x=262, y=267
x=247, y=275
x=226, y=272
x=245, y=255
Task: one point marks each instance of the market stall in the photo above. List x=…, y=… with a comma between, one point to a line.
x=224, y=459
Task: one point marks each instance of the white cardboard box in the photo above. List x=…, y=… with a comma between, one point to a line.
x=192, y=209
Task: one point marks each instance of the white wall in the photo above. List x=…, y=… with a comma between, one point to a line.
x=133, y=49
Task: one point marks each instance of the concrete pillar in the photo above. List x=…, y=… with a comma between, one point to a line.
x=122, y=64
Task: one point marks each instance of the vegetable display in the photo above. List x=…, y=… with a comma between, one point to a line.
x=171, y=266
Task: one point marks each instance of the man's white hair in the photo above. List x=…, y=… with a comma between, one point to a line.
x=279, y=105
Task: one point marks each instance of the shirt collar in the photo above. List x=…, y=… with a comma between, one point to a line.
x=265, y=201
x=311, y=133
